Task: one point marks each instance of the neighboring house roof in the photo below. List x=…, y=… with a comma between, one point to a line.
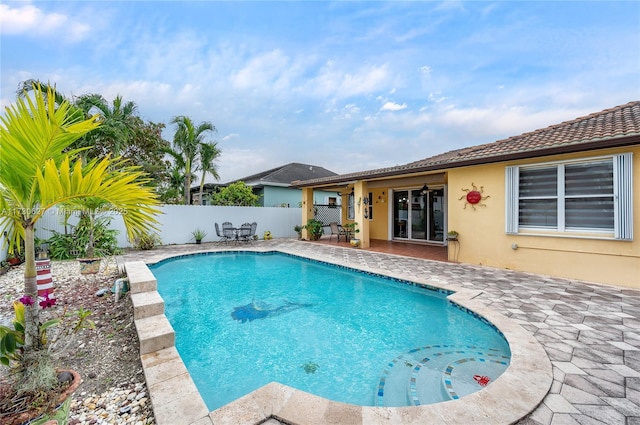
x=614, y=127
x=285, y=174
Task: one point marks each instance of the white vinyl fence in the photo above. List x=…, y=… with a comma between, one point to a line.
x=178, y=221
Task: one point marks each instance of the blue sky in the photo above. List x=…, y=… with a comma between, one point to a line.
x=349, y=86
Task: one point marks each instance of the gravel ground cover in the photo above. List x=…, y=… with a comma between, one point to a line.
x=113, y=389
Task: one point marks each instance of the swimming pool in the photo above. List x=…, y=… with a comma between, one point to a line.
x=243, y=320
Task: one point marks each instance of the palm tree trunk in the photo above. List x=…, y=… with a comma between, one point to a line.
x=201, y=189
x=187, y=186
x=32, y=339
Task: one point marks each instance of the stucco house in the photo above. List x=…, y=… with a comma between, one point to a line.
x=557, y=201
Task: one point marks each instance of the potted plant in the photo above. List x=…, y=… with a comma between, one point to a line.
x=352, y=230
x=199, y=235
x=52, y=172
x=15, y=259
x=314, y=228
x=90, y=209
x=452, y=235
x=39, y=389
x=298, y=229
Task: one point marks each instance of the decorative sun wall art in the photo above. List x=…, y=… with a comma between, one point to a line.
x=474, y=197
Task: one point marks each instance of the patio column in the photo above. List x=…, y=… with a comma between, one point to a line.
x=307, y=209
x=361, y=192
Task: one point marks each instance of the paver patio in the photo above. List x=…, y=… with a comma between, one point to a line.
x=591, y=332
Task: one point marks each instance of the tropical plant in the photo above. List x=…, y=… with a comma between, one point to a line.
x=208, y=153
x=199, y=234
x=122, y=132
x=353, y=226
x=186, y=142
x=237, y=193
x=147, y=241
x=66, y=246
x=298, y=229
x=314, y=228
x=117, y=121
x=38, y=170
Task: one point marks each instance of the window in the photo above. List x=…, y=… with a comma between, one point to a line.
x=588, y=196
x=351, y=215
x=370, y=206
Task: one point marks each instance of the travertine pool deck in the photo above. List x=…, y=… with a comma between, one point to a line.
x=590, y=333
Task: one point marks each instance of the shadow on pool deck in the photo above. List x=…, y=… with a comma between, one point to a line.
x=590, y=332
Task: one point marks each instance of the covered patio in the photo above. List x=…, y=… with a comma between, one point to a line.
x=407, y=249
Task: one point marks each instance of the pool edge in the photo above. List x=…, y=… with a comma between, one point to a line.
x=515, y=394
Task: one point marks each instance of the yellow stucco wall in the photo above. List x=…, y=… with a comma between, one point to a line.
x=378, y=227
x=483, y=240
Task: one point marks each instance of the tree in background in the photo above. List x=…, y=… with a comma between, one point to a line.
x=208, y=154
x=237, y=193
x=122, y=133
x=172, y=188
x=186, y=146
x=117, y=129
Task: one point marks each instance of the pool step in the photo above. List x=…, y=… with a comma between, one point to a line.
x=436, y=373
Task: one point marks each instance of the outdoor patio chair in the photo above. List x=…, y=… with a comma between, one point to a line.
x=228, y=231
x=221, y=236
x=336, y=230
x=254, y=227
x=244, y=233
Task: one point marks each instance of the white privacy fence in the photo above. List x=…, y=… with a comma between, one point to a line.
x=178, y=221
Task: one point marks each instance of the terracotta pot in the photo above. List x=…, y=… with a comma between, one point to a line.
x=89, y=265
x=59, y=415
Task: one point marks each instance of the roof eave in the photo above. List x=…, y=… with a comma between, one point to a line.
x=615, y=142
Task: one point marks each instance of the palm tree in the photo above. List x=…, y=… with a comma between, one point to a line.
x=117, y=122
x=209, y=153
x=37, y=172
x=186, y=143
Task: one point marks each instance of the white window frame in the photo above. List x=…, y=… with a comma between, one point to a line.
x=622, y=197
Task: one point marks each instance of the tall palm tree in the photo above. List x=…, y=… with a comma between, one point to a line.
x=186, y=143
x=117, y=122
x=37, y=172
x=209, y=153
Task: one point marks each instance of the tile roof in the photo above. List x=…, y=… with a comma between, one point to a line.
x=618, y=126
x=285, y=174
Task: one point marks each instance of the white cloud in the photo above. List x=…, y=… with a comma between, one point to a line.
x=30, y=20
x=392, y=106
x=261, y=71
x=425, y=69
x=333, y=82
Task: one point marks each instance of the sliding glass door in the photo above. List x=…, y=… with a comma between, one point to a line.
x=417, y=215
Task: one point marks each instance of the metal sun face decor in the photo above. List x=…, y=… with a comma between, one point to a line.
x=474, y=197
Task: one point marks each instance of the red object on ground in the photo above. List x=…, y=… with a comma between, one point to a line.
x=483, y=381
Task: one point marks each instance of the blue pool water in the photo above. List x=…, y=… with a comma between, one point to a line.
x=243, y=320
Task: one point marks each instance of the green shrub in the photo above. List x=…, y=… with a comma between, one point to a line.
x=147, y=241
x=314, y=229
x=74, y=245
